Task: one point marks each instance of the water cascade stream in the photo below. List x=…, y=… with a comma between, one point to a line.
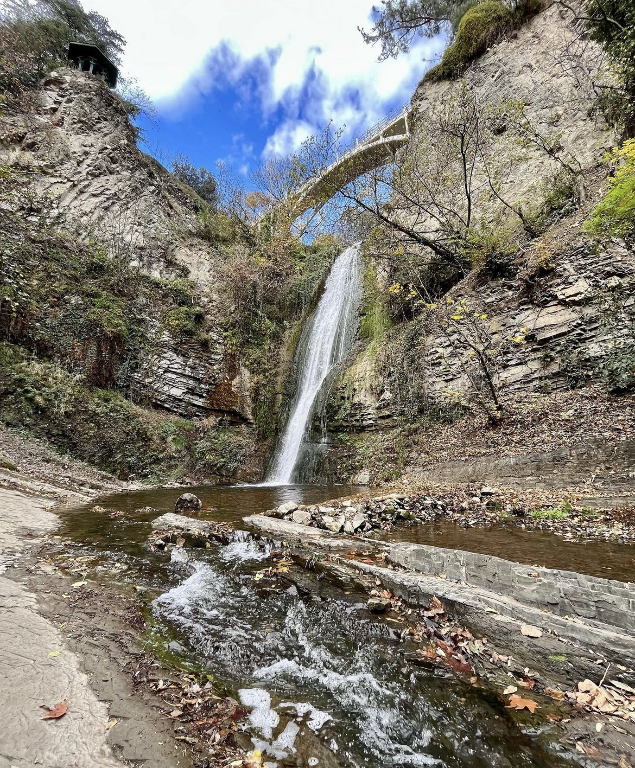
x=325, y=683
x=325, y=342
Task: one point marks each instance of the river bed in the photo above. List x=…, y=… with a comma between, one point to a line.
x=325, y=682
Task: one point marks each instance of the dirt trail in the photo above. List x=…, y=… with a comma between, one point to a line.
x=52, y=649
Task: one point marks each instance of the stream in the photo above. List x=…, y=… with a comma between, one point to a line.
x=325, y=682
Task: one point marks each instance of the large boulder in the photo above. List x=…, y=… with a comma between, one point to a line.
x=188, y=502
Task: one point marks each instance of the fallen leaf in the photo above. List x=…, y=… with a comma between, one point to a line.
x=53, y=713
x=590, y=751
x=517, y=702
x=176, y=713
x=599, y=726
x=528, y=631
x=112, y=722
x=510, y=689
x=78, y=584
x=554, y=693
x=54, y=654
x=459, y=665
x=587, y=686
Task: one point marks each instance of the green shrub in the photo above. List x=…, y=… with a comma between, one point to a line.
x=493, y=250
x=482, y=25
x=556, y=513
x=108, y=314
x=614, y=216
x=217, y=227
x=222, y=450
x=612, y=24
x=185, y=322
x=561, y=198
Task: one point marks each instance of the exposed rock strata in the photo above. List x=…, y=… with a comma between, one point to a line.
x=496, y=595
x=80, y=153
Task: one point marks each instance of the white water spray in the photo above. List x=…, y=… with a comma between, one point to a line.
x=325, y=343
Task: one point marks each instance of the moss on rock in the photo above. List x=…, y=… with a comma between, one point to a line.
x=481, y=26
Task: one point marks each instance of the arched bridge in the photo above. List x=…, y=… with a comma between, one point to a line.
x=376, y=148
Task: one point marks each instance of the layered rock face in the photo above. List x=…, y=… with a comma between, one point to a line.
x=83, y=150
x=549, y=69
x=79, y=151
x=565, y=302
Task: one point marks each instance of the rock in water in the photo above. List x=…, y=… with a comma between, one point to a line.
x=287, y=507
x=302, y=516
x=378, y=604
x=188, y=501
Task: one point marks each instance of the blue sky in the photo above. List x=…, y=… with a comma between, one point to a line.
x=240, y=80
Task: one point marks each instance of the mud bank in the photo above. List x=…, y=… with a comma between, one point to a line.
x=36, y=665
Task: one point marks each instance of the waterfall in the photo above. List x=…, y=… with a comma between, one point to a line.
x=325, y=342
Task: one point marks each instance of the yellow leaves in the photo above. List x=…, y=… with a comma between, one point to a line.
x=457, y=317
x=431, y=307
x=396, y=288
x=254, y=759
x=518, y=339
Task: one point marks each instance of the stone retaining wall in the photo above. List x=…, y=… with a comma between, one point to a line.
x=561, y=592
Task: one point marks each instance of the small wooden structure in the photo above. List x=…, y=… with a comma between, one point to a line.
x=89, y=58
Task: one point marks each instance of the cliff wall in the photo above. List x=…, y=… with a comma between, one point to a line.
x=82, y=172
x=561, y=314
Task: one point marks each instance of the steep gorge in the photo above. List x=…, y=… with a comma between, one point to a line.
x=161, y=321
x=116, y=276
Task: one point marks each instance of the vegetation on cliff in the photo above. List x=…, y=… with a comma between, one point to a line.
x=482, y=25
x=34, y=38
x=78, y=319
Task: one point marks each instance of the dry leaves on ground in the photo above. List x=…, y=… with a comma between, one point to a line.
x=517, y=702
x=612, y=698
x=56, y=711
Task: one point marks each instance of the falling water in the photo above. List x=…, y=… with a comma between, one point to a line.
x=325, y=342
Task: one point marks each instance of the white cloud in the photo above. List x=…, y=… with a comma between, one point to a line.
x=305, y=57
x=288, y=137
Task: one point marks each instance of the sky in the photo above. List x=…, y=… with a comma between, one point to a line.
x=241, y=80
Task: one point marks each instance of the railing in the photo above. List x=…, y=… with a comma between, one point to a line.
x=360, y=141
x=384, y=123
x=368, y=135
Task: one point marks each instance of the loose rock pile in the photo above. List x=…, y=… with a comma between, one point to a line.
x=349, y=515
x=467, y=505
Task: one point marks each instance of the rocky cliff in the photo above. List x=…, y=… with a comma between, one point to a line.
x=560, y=313
x=78, y=154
